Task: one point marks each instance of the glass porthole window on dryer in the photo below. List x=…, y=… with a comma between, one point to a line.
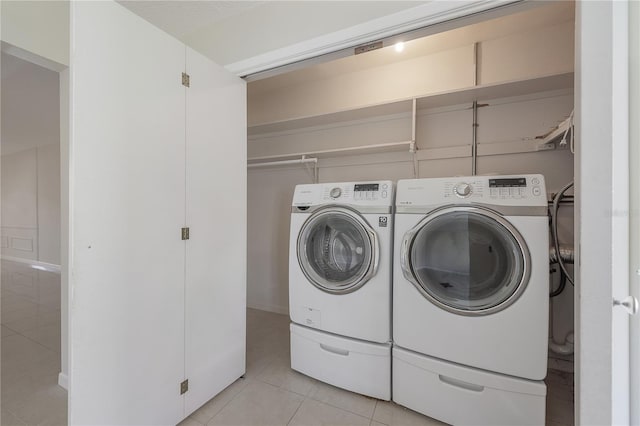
x=468, y=261
x=336, y=251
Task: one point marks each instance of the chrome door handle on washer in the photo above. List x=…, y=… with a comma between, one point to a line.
x=375, y=249
x=404, y=257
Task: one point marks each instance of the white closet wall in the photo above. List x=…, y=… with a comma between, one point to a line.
x=149, y=157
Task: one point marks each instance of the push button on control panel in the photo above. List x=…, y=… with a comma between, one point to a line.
x=537, y=191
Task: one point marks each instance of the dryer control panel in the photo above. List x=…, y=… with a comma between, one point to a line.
x=512, y=190
x=354, y=193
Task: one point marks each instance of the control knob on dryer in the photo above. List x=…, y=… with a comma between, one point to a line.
x=335, y=192
x=462, y=190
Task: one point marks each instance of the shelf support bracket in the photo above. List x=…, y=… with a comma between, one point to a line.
x=413, y=147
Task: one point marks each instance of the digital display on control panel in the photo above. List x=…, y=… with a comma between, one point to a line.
x=507, y=183
x=366, y=187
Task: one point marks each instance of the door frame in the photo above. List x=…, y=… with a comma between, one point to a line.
x=63, y=72
x=634, y=202
x=602, y=251
x=602, y=212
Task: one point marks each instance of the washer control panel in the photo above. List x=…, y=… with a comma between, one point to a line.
x=356, y=193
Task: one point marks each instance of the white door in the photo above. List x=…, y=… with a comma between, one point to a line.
x=602, y=190
x=216, y=215
x=149, y=310
x=634, y=235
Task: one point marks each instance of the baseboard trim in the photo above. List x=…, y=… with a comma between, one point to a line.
x=50, y=267
x=63, y=381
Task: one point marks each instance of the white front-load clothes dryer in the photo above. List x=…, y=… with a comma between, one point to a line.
x=471, y=295
x=340, y=262
x=471, y=283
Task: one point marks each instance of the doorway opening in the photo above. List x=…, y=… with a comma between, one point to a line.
x=31, y=253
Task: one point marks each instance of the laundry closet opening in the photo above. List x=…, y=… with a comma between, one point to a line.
x=491, y=98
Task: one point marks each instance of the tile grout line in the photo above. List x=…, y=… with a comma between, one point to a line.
x=228, y=402
x=346, y=409
x=24, y=423
x=296, y=412
x=34, y=341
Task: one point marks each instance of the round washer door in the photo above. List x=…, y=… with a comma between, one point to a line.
x=337, y=250
x=466, y=260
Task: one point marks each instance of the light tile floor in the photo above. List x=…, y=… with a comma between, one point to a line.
x=273, y=394
x=269, y=394
x=30, y=347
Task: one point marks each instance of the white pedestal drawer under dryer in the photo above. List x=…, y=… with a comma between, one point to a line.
x=340, y=258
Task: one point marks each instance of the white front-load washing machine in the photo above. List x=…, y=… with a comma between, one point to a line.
x=471, y=297
x=340, y=262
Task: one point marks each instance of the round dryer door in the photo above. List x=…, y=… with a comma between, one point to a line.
x=337, y=250
x=466, y=260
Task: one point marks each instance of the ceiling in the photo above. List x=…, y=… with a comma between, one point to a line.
x=30, y=105
x=232, y=31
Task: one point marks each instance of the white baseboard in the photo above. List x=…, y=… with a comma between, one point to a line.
x=269, y=308
x=50, y=267
x=63, y=381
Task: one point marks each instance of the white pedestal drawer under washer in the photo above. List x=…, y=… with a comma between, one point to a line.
x=471, y=276
x=340, y=259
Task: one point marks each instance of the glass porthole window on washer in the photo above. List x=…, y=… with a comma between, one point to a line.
x=468, y=262
x=335, y=251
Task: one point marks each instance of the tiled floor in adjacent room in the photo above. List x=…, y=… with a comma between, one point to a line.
x=30, y=365
x=269, y=394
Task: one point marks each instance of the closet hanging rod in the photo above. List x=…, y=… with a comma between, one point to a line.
x=303, y=160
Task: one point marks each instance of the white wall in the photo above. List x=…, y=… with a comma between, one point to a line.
x=49, y=204
x=31, y=204
x=430, y=73
x=20, y=205
x=30, y=160
x=37, y=28
x=30, y=105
